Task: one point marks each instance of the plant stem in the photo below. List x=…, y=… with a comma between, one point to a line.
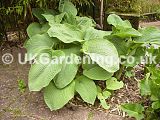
x=101, y=14
x=119, y=73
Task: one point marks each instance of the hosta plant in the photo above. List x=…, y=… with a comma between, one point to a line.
x=59, y=37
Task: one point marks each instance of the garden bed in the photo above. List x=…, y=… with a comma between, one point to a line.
x=108, y=87
x=16, y=105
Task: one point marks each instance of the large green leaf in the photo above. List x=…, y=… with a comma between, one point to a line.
x=87, y=63
x=127, y=32
x=56, y=98
x=86, y=88
x=54, y=19
x=33, y=29
x=66, y=33
x=85, y=22
x=97, y=73
x=117, y=22
x=103, y=53
x=133, y=110
x=91, y=33
x=70, y=19
x=123, y=28
x=41, y=73
x=68, y=7
x=37, y=12
x=68, y=72
x=37, y=44
x=149, y=35
x=36, y=28
x=113, y=84
x=121, y=45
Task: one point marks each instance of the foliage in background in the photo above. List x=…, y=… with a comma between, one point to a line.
x=134, y=6
x=122, y=5
x=17, y=14
x=149, y=6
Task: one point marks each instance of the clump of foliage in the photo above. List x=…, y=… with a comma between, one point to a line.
x=62, y=33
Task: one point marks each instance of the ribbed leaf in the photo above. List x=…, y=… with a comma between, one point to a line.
x=41, y=73
x=66, y=33
x=67, y=73
x=97, y=73
x=68, y=7
x=127, y=32
x=116, y=21
x=38, y=43
x=85, y=22
x=86, y=88
x=54, y=19
x=33, y=29
x=36, y=28
x=103, y=53
x=56, y=98
x=149, y=35
x=123, y=28
x=91, y=34
x=37, y=12
x=120, y=44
